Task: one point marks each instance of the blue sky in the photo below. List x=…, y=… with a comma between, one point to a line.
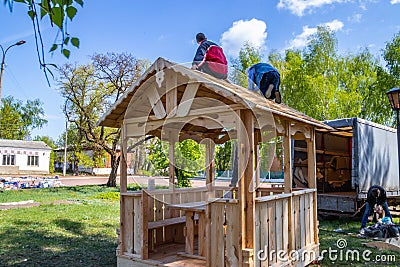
x=152, y=29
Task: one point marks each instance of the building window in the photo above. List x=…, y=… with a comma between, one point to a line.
x=8, y=159
x=33, y=160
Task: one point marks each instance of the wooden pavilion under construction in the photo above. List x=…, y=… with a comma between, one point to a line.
x=247, y=225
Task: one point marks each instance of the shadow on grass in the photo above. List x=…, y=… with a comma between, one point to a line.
x=33, y=246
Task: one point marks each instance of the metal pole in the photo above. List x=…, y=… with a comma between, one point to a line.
x=3, y=64
x=398, y=140
x=65, y=147
x=2, y=70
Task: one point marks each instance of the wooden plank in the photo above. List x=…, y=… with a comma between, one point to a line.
x=202, y=234
x=257, y=235
x=151, y=217
x=285, y=225
x=217, y=245
x=137, y=225
x=302, y=221
x=145, y=217
x=297, y=229
x=170, y=232
x=159, y=212
x=245, y=130
x=172, y=93
x=224, y=110
x=166, y=222
x=128, y=226
x=233, y=257
x=307, y=216
x=155, y=102
x=271, y=233
x=264, y=233
x=279, y=225
x=311, y=151
x=313, y=233
x=187, y=99
x=189, y=243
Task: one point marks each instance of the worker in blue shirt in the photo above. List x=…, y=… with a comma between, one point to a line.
x=265, y=77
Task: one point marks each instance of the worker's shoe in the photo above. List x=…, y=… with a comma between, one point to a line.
x=362, y=231
x=269, y=91
x=278, y=99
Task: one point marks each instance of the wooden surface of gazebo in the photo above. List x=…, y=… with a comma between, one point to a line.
x=207, y=226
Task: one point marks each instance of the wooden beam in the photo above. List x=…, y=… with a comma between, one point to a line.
x=155, y=102
x=123, y=180
x=287, y=146
x=172, y=93
x=212, y=111
x=312, y=179
x=257, y=162
x=246, y=173
x=187, y=99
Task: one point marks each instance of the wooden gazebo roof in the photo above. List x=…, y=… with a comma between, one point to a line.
x=203, y=86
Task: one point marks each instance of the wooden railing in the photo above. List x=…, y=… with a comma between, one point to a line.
x=147, y=221
x=286, y=228
x=284, y=223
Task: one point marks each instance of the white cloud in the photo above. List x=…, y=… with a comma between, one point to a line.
x=252, y=31
x=301, y=40
x=334, y=25
x=355, y=18
x=393, y=2
x=298, y=7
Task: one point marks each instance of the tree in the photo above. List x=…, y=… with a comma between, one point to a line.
x=58, y=13
x=325, y=85
x=17, y=119
x=90, y=90
x=248, y=56
x=50, y=142
x=189, y=159
x=390, y=77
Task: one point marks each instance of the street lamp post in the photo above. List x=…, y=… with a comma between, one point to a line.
x=394, y=99
x=65, y=148
x=2, y=61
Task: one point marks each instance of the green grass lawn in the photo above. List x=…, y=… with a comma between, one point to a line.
x=83, y=233
x=349, y=243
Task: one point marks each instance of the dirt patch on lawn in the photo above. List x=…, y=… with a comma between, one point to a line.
x=29, y=204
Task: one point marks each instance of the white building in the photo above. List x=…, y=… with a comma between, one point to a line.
x=24, y=157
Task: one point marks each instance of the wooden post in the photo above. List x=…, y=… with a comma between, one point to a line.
x=172, y=139
x=312, y=179
x=257, y=162
x=245, y=128
x=287, y=154
x=210, y=167
x=287, y=149
x=123, y=181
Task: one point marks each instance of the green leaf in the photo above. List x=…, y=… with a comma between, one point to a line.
x=75, y=42
x=31, y=14
x=80, y=2
x=20, y=1
x=58, y=17
x=54, y=47
x=44, y=8
x=71, y=12
x=66, y=40
x=66, y=53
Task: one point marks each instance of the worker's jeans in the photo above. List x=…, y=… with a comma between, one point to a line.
x=368, y=210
